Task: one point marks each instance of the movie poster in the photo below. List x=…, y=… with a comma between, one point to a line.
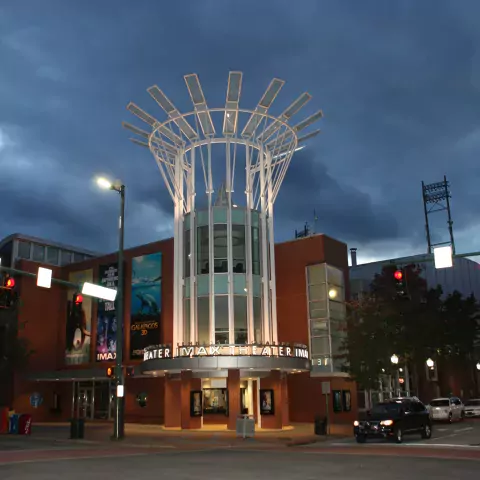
x=146, y=303
x=79, y=325
x=106, y=316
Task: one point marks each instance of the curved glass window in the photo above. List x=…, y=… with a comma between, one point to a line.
x=186, y=320
x=255, y=251
x=240, y=319
x=202, y=251
x=221, y=319
x=220, y=248
x=238, y=244
x=203, y=320
x=257, y=319
x=186, y=256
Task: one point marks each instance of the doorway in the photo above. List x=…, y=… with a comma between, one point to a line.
x=93, y=400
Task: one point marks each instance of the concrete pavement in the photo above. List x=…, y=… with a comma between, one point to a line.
x=216, y=464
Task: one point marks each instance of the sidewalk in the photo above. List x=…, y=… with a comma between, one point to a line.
x=159, y=436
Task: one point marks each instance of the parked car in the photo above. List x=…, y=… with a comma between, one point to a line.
x=472, y=408
x=393, y=419
x=446, y=409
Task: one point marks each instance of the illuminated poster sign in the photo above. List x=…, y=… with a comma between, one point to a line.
x=146, y=306
x=253, y=350
x=106, y=316
x=79, y=323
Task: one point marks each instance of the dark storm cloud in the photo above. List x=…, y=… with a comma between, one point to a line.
x=398, y=81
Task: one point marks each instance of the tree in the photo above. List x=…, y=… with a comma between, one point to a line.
x=381, y=324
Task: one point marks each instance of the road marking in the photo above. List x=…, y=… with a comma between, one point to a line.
x=463, y=430
x=449, y=445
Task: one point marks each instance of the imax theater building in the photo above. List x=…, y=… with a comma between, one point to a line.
x=219, y=320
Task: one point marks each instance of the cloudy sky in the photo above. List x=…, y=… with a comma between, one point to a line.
x=399, y=84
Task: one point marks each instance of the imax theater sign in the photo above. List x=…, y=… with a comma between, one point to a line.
x=215, y=350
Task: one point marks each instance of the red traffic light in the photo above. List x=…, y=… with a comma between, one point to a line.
x=10, y=282
x=398, y=275
x=109, y=372
x=78, y=299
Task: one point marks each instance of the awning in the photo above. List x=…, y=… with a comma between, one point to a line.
x=75, y=375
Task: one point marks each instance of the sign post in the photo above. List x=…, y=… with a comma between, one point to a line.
x=326, y=392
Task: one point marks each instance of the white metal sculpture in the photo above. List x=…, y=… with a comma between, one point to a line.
x=232, y=262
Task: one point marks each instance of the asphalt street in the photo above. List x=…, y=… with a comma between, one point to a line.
x=458, y=434
x=222, y=464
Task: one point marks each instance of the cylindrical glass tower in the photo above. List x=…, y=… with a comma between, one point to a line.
x=223, y=168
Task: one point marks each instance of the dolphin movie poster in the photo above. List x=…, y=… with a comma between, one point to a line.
x=146, y=303
x=78, y=329
x=106, y=349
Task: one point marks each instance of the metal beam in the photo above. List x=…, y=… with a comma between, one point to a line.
x=34, y=275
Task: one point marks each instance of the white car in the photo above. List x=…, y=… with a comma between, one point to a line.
x=472, y=408
x=448, y=409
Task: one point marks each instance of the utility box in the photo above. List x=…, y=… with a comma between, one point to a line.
x=245, y=426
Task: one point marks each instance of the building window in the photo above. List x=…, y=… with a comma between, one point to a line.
x=38, y=253
x=186, y=320
x=257, y=320
x=240, y=319
x=220, y=248
x=52, y=255
x=65, y=257
x=202, y=251
x=203, y=320
x=186, y=259
x=78, y=257
x=221, y=319
x=238, y=243
x=23, y=249
x=255, y=251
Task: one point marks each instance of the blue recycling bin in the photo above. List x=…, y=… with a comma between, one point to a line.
x=14, y=424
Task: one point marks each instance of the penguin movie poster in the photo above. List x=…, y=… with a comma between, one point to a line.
x=106, y=349
x=146, y=303
x=79, y=324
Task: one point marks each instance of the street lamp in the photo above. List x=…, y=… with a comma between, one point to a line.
x=394, y=359
x=430, y=363
x=478, y=366
x=119, y=421
x=332, y=293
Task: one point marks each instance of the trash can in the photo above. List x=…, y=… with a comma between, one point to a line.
x=320, y=425
x=25, y=424
x=77, y=428
x=13, y=424
x=245, y=426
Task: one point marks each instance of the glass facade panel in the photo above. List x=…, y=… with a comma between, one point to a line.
x=78, y=257
x=319, y=328
x=238, y=216
x=239, y=284
x=338, y=310
x=255, y=219
x=203, y=285
x=239, y=253
x=221, y=319
x=339, y=295
x=337, y=345
x=202, y=251
x=52, y=255
x=240, y=319
x=255, y=250
x=257, y=319
x=221, y=283
x=335, y=276
x=38, y=254
x=186, y=321
x=317, y=292
x=257, y=286
x=318, y=309
x=219, y=214
x=187, y=290
x=220, y=248
x=316, y=274
x=23, y=249
x=203, y=321
x=320, y=346
x=186, y=251
x=65, y=257
x=202, y=218
x=186, y=222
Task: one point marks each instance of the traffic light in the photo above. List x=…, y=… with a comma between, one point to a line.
x=8, y=296
x=110, y=372
x=400, y=283
x=77, y=303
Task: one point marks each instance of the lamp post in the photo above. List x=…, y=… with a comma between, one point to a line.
x=119, y=420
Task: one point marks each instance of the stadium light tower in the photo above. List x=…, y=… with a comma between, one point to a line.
x=224, y=244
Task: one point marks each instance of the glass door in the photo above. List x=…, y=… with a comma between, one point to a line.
x=85, y=402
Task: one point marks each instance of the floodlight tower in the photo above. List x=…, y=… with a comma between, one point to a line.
x=224, y=259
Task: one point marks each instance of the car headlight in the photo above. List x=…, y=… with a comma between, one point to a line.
x=356, y=423
x=386, y=423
